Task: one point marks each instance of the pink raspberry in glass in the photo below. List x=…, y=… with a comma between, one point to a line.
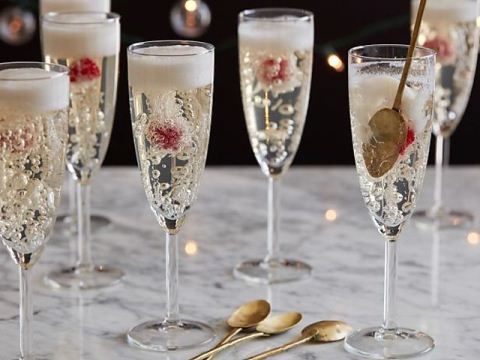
x=84, y=69
x=16, y=141
x=408, y=141
x=443, y=47
x=274, y=71
x=165, y=136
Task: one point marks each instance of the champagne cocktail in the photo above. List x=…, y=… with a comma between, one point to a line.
x=450, y=28
x=171, y=90
x=276, y=51
x=33, y=138
x=391, y=157
x=89, y=44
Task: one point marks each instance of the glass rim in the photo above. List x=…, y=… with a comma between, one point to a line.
x=132, y=49
x=62, y=70
x=52, y=17
x=428, y=52
x=303, y=15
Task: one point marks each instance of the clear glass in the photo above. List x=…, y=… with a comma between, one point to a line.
x=450, y=28
x=88, y=43
x=391, y=156
x=66, y=221
x=33, y=138
x=171, y=91
x=276, y=52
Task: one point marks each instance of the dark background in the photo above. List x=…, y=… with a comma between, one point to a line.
x=339, y=25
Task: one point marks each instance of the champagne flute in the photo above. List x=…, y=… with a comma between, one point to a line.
x=89, y=44
x=450, y=28
x=276, y=51
x=68, y=220
x=391, y=159
x=33, y=137
x=171, y=89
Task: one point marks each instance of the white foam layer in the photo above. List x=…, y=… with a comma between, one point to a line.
x=78, y=38
x=276, y=35
x=177, y=67
x=438, y=11
x=374, y=92
x=73, y=5
x=33, y=90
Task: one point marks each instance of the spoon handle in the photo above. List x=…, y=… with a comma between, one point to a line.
x=411, y=49
x=227, y=338
x=206, y=354
x=277, y=350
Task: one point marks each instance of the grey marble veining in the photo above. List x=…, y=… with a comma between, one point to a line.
x=439, y=287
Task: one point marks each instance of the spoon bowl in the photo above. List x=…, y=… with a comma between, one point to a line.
x=327, y=331
x=249, y=314
x=278, y=324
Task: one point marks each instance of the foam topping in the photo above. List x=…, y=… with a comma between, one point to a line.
x=371, y=93
x=176, y=67
x=33, y=90
x=438, y=11
x=86, y=35
x=73, y=5
x=276, y=35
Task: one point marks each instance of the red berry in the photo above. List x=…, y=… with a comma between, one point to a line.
x=165, y=136
x=274, y=71
x=408, y=141
x=84, y=69
x=443, y=47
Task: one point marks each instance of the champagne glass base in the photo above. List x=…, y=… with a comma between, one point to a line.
x=374, y=343
x=273, y=271
x=65, y=223
x=84, y=278
x=164, y=336
x=445, y=219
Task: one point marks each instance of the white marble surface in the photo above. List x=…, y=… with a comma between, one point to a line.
x=439, y=287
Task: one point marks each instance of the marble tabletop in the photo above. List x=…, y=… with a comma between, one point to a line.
x=439, y=287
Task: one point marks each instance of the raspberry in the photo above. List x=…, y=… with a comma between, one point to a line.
x=274, y=71
x=84, y=69
x=408, y=141
x=166, y=137
x=444, y=48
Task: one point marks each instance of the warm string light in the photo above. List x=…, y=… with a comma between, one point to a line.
x=335, y=62
x=190, y=18
x=473, y=238
x=331, y=215
x=191, y=248
x=17, y=26
x=191, y=5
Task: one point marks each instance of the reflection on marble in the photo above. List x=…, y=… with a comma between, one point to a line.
x=439, y=287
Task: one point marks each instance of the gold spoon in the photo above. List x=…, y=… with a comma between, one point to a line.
x=388, y=126
x=271, y=326
x=246, y=316
x=319, y=332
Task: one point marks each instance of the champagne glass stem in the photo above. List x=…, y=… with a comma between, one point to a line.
x=172, y=278
x=389, y=305
x=446, y=152
x=273, y=218
x=83, y=223
x=26, y=314
x=72, y=193
x=438, y=173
